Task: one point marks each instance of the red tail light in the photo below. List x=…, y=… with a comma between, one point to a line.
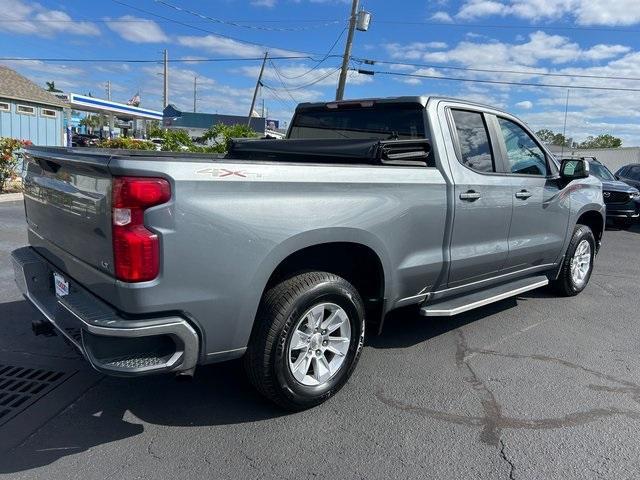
x=135, y=249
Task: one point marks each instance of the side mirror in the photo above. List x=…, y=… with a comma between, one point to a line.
x=572, y=169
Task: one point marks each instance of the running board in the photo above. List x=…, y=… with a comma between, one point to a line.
x=455, y=306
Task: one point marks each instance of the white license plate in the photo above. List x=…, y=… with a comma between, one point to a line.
x=62, y=286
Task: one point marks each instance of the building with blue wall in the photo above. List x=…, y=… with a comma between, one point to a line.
x=28, y=112
x=195, y=124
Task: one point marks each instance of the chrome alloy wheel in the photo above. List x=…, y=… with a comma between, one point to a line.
x=581, y=263
x=319, y=344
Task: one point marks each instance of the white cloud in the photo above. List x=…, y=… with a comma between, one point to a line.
x=264, y=3
x=412, y=51
x=481, y=8
x=436, y=45
x=39, y=66
x=33, y=19
x=228, y=46
x=585, y=12
x=442, y=17
x=525, y=105
x=539, y=47
x=137, y=30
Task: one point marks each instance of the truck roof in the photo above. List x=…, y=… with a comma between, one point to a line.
x=409, y=99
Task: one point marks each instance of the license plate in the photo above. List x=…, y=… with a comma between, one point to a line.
x=62, y=286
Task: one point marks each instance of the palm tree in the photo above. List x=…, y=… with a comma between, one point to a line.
x=91, y=122
x=51, y=87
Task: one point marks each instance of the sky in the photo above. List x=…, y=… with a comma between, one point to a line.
x=418, y=48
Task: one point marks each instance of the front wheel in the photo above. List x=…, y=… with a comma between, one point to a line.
x=577, y=265
x=307, y=340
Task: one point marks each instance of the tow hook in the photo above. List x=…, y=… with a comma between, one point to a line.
x=43, y=327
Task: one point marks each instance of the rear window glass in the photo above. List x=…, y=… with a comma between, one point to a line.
x=384, y=122
x=474, y=140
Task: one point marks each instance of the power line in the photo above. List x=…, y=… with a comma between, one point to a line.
x=505, y=26
x=137, y=20
x=318, y=79
x=309, y=57
x=178, y=22
x=286, y=104
x=319, y=62
x=505, y=82
x=275, y=69
x=330, y=22
x=237, y=24
x=175, y=60
x=489, y=70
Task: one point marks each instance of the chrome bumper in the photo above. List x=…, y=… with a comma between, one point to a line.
x=112, y=344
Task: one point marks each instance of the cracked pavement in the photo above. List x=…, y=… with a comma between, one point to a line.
x=537, y=387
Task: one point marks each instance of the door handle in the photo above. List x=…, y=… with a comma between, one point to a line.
x=523, y=194
x=470, y=196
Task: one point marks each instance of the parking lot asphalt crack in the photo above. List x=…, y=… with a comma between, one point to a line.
x=492, y=409
x=151, y=452
x=492, y=420
x=503, y=455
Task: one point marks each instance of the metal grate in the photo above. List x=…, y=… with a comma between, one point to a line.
x=21, y=387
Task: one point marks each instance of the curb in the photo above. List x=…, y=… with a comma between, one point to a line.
x=10, y=197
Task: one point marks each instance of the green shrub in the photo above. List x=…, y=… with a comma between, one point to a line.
x=127, y=144
x=9, y=159
x=221, y=135
x=176, y=141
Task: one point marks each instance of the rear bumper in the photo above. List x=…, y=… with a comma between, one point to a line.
x=112, y=344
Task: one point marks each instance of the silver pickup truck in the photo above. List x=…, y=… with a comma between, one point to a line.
x=283, y=250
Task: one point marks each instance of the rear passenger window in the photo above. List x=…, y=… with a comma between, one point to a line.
x=474, y=140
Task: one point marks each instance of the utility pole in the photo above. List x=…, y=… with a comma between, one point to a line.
x=195, y=90
x=108, y=89
x=165, y=99
x=347, y=51
x=258, y=85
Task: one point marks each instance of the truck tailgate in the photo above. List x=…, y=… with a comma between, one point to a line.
x=68, y=203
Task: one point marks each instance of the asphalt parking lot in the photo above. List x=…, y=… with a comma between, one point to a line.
x=536, y=387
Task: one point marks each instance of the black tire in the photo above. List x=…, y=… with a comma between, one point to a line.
x=267, y=359
x=565, y=285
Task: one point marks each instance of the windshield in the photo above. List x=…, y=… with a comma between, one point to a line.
x=601, y=172
x=384, y=122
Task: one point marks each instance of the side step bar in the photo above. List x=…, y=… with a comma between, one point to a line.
x=454, y=306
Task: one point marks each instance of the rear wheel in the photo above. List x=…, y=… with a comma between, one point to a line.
x=577, y=265
x=308, y=338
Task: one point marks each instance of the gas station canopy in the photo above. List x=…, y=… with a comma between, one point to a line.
x=98, y=105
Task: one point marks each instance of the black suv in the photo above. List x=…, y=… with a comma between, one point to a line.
x=630, y=174
x=621, y=199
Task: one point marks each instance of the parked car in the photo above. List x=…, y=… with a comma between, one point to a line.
x=285, y=252
x=621, y=199
x=630, y=174
x=84, y=140
x=158, y=142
